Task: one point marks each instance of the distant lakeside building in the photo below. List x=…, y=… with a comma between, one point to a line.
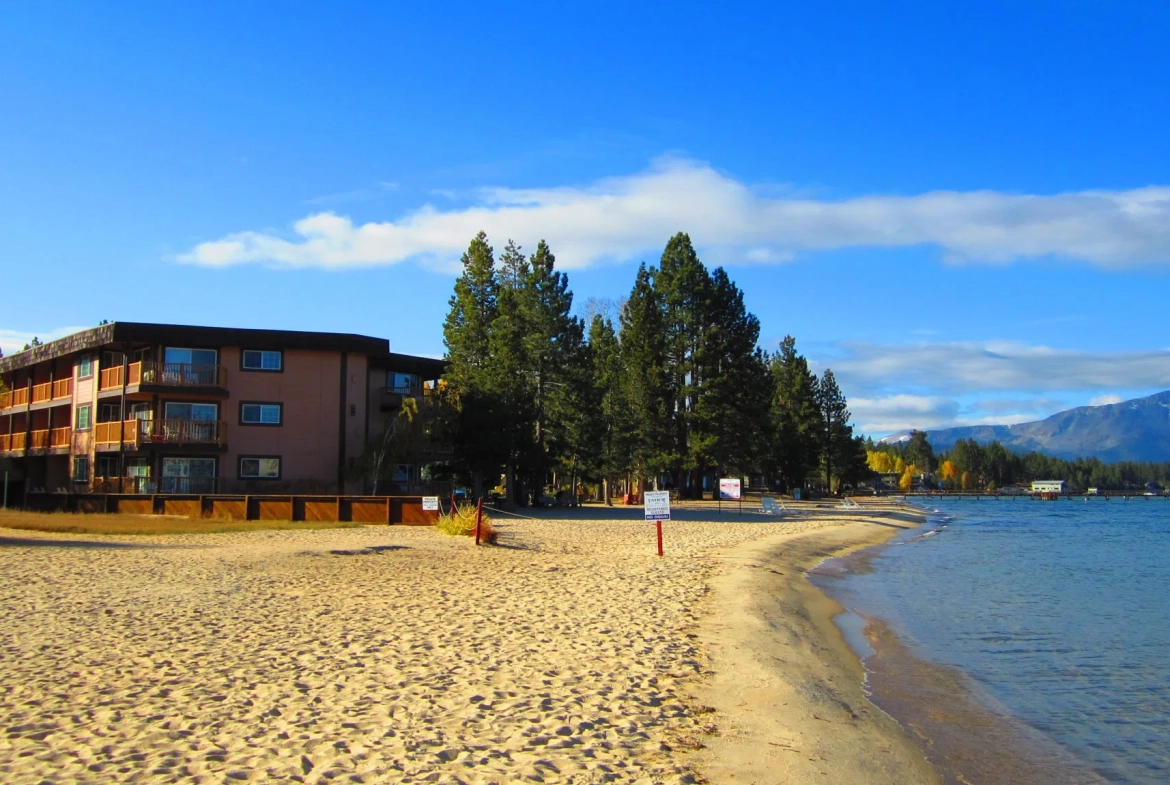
x=1048, y=486
x=156, y=408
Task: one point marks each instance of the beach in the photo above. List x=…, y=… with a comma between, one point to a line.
x=569, y=653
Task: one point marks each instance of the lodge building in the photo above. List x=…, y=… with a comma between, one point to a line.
x=153, y=408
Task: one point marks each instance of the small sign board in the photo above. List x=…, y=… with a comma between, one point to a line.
x=729, y=489
x=657, y=505
x=430, y=503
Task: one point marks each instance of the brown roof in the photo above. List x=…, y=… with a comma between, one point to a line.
x=211, y=337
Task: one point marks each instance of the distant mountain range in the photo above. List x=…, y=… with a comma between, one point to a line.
x=1137, y=430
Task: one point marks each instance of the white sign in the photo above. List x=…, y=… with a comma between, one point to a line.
x=657, y=505
x=729, y=489
x=430, y=503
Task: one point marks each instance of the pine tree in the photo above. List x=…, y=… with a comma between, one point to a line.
x=467, y=334
x=684, y=290
x=611, y=416
x=796, y=417
x=729, y=414
x=644, y=383
x=836, y=433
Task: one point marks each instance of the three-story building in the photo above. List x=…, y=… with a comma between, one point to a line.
x=152, y=408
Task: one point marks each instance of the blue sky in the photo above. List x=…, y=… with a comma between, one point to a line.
x=963, y=209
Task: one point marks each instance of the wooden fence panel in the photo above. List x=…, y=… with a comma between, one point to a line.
x=192, y=508
x=272, y=509
x=228, y=509
x=365, y=510
x=321, y=510
x=139, y=505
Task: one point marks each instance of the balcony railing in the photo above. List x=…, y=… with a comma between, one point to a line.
x=170, y=374
x=17, y=397
x=63, y=388
x=42, y=392
x=138, y=432
x=44, y=438
x=182, y=431
x=13, y=442
x=107, y=433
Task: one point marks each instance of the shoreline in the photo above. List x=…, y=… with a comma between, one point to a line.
x=964, y=732
x=787, y=688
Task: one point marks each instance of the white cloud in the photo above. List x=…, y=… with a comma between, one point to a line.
x=12, y=341
x=622, y=218
x=959, y=368
x=1104, y=400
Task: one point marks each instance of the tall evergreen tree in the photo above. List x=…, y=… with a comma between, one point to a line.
x=611, y=416
x=644, y=383
x=796, y=417
x=684, y=289
x=836, y=433
x=729, y=409
x=467, y=334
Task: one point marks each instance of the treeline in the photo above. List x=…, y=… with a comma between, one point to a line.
x=969, y=465
x=672, y=390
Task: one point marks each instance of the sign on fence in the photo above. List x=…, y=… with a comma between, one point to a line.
x=657, y=505
x=430, y=503
x=729, y=489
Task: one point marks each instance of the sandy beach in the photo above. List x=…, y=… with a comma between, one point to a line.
x=571, y=653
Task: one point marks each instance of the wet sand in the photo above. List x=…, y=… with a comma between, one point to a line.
x=570, y=654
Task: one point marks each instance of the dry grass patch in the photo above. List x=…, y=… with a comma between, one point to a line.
x=462, y=523
x=97, y=523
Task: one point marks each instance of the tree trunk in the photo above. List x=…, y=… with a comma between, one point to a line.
x=510, y=487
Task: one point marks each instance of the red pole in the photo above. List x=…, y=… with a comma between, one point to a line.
x=659, y=537
x=478, y=518
x=452, y=504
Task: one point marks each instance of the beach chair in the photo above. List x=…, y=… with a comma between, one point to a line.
x=769, y=506
x=848, y=504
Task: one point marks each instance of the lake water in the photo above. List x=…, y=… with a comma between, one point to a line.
x=1022, y=640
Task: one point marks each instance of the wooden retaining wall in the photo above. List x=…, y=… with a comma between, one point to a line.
x=359, y=509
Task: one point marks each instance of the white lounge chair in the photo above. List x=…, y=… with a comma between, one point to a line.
x=848, y=504
x=770, y=506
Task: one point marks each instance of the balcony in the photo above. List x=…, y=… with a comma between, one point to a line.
x=140, y=433
x=60, y=391
x=13, y=442
x=151, y=374
x=50, y=439
x=17, y=397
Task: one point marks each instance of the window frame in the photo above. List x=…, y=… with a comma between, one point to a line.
x=279, y=412
x=185, y=402
x=240, y=467
x=278, y=352
x=85, y=366
x=191, y=349
x=80, y=461
x=88, y=409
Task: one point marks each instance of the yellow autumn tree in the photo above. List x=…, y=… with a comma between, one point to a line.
x=968, y=481
x=947, y=471
x=906, y=481
x=899, y=465
x=880, y=462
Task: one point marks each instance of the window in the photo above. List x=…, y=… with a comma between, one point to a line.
x=188, y=475
x=85, y=367
x=107, y=466
x=203, y=412
x=84, y=417
x=403, y=383
x=81, y=469
x=260, y=468
x=109, y=412
x=174, y=354
x=261, y=413
x=261, y=360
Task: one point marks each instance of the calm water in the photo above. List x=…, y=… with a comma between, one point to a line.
x=1059, y=612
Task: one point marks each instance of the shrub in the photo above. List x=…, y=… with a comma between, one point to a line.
x=462, y=523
